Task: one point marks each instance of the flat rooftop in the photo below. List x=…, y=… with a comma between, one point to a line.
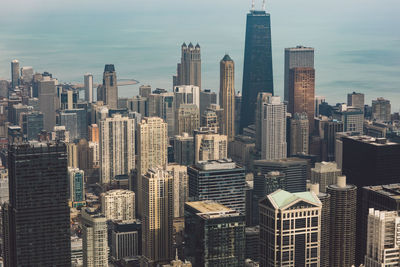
x=390, y=190
x=372, y=140
x=221, y=164
x=210, y=209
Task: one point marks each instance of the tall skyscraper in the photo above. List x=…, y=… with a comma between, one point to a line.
x=48, y=101
x=290, y=229
x=70, y=121
x=152, y=151
x=257, y=68
x=379, y=197
x=208, y=145
x=180, y=187
x=324, y=174
x=157, y=216
x=94, y=245
x=210, y=225
x=32, y=124
x=297, y=57
x=223, y=181
x=227, y=96
x=299, y=134
x=88, y=84
x=14, y=73
x=76, y=182
x=302, y=92
x=383, y=239
x=261, y=99
x=187, y=94
x=187, y=119
x=189, y=70
x=343, y=223
x=108, y=92
x=118, y=205
x=381, y=110
x=38, y=183
x=27, y=74
x=356, y=100
x=117, y=147
x=273, y=129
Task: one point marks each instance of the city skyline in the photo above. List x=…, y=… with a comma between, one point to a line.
x=350, y=58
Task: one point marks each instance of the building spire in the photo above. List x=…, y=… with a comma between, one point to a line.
x=263, y=5
x=253, y=5
x=176, y=254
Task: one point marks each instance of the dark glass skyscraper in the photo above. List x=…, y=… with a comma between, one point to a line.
x=37, y=220
x=257, y=71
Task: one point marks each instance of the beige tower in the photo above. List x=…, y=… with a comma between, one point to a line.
x=189, y=69
x=118, y=204
x=187, y=119
x=299, y=134
x=157, y=191
x=227, y=96
x=117, y=147
x=152, y=150
x=180, y=188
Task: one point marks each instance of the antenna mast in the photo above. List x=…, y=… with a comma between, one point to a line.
x=253, y=5
x=263, y=5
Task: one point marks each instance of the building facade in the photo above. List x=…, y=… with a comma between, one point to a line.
x=118, y=205
x=189, y=70
x=227, y=96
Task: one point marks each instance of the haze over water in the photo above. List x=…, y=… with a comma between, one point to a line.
x=357, y=42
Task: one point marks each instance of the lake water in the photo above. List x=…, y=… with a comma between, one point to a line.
x=357, y=43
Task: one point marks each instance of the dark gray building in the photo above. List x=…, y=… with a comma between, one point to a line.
x=38, y=219
x=206, y=99
x=81, y=120
x=294, y=169
x=257, y=68
x=184, y=149
x=108, y=91
x=214, y=235
x=219, y=180
x=126, y=239
x=32, y=124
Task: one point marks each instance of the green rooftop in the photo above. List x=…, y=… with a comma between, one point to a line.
x=283, y=198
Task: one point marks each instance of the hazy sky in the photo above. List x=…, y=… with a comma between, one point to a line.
x=357, y=42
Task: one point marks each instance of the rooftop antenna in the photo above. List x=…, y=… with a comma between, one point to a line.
x=263, y=5
x=253, y=5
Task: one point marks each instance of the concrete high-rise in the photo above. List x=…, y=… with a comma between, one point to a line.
x=227, y=96
x=299, y=134
x=210, y=225
x=261, y=99
x=382, y=239
x=273, y=129
x=108, y=91
x=180, y=188
x=302, y=92
x=38, y=183
x=152, y=151
x=187, y=94
x=118, y=205
x=356, y=100
x=117, y=147
x=48, y=101
x=257, y=68
x=325, y=224
x=208, y=145
x=324, y=174
x=379, y=197
x=381, y=110
x=187, y=119
x=189, y=70
x=14, y=73
x=352, y=118
x=157, y=218
x=94, y=245
x=297, y=57
x=88, y=85
x=283, y=242
x=223, y=181
x=343, y=223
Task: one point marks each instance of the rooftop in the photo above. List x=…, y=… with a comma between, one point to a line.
x=282, y=198
x=221, y=164
x=212, y=210
x=390, y=190
x=372, y=140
